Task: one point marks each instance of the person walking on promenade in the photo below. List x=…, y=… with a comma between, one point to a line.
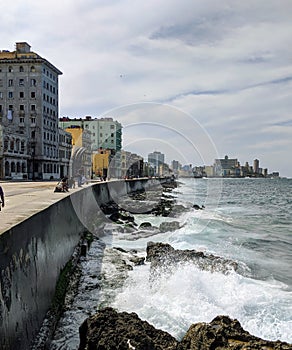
x=1, y=198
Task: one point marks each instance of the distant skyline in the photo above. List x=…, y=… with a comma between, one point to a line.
x=196, y=78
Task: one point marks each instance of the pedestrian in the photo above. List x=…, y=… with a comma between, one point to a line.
x=1, y=198
x=65, y=187
x=71, y=182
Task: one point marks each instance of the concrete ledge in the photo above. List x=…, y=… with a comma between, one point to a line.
x=39, y=231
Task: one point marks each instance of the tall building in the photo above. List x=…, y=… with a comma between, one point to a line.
x=106, y=133
x=256, y=166
x=226, y=167
x=28, y=115
x=156, y=159
x=132, y=165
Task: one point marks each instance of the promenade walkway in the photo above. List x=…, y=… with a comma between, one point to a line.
x=23, y=199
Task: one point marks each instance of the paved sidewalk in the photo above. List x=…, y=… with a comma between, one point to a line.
x=23, y=199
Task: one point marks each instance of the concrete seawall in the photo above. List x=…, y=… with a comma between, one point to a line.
x=33, y=252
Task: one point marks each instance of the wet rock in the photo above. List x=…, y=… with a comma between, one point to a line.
x=137, y=260
x=109, y=208
x=197, y=207
x=169, y=226
x=122, y=216
x=225, y=333
x=145, y=225
x=108, y=330
x=164, y=256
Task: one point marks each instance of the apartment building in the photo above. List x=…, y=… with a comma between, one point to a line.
x=28, y=115
x=155, y=159
x=106, y=133
x=226, y=167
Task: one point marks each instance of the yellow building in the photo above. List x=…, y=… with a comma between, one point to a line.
x=100, y=162
x=81, y=152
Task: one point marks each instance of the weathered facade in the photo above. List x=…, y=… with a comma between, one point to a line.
x=29, y=134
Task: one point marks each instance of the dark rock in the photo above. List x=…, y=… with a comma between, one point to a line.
x=137, y=260
x=169, y=226
x=224, y=333
x=145, y=225
x=120, y=216
x=110, y=330
x=109, y=208
x=164, y=256
x=197, y=207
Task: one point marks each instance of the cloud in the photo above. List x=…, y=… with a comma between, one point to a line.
x=225, y=64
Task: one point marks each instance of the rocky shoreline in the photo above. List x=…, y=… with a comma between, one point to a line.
x=109, y=330
x=91, y=291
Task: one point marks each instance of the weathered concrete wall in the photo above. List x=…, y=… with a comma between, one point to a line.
x=33, y=253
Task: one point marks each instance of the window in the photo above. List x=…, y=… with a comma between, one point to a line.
x=1, y=82
x=6, y=144
x=21, y=69
x=1, y=94
x=10, y=94
x=21, y=94
x=32, y=82
x=10, y=69
x=11, y=145
x=21, y=82
x=32, y=68
x=32, y=108
x=21, y=107
x=112, y=126
x=32, y=94
x=21, y=120
x=10, y=82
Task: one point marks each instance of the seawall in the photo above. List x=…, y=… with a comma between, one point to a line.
x=33, y=252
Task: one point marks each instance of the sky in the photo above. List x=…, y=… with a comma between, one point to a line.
x=194, y=79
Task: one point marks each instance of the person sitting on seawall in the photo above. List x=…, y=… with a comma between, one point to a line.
x=1, y=198
x=65, y=185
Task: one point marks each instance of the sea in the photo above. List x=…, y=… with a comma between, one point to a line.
x=246, y=220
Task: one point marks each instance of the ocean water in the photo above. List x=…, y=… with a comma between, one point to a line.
x=246, y=220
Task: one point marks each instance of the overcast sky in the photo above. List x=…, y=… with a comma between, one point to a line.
x=195, y=79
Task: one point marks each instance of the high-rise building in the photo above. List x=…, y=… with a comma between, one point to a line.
x=106, y=133
x=28, y=115
x=155, y=159
x=226, y=167
x=256, y=165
